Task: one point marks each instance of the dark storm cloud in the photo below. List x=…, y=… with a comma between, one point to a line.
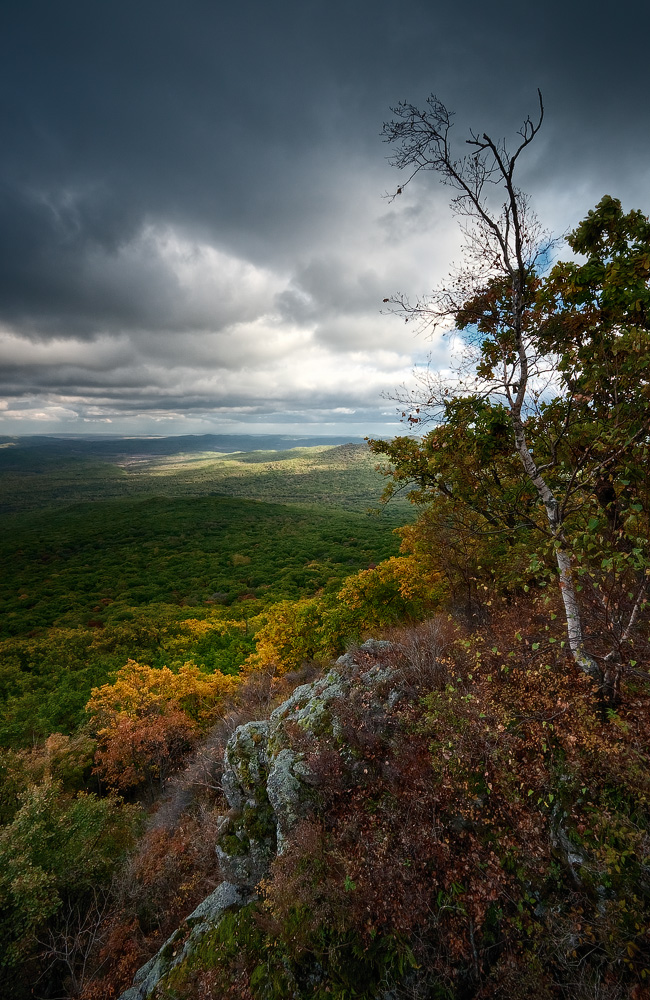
x=173, y=170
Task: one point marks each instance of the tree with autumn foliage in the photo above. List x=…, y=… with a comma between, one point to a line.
x=294, y=632
x=542, y=436
x=149, y=718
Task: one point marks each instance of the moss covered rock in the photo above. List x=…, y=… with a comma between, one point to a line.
x=185, y=939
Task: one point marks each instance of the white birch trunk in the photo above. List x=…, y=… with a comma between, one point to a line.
x=562, y=553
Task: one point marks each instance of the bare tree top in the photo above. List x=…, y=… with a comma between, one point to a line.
x=506, y=242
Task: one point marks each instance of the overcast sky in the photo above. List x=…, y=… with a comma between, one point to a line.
x=193, y=236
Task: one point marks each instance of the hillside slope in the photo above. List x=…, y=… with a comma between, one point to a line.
x=427, y=820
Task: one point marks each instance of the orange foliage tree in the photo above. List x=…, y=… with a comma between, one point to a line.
x=148, y=719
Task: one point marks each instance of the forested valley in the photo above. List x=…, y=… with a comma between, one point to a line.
x=478, y=813
x=166, y=569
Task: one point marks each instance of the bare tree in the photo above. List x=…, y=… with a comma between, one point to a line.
x=71, y=946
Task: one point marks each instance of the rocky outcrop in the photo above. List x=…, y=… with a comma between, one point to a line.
x=267, y=785
x=176, y=949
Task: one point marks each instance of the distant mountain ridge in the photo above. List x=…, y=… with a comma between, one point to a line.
x=104, y=446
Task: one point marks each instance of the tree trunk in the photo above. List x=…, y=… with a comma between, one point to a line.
x=572, y=610
x=562, y=554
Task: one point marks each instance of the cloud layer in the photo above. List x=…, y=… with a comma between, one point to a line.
x=192, y=229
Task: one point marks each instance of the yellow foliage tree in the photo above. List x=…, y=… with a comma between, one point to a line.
x=393, y=591
x=140, y=690
x=289, y=636
x=198, y=627
x=296, y=631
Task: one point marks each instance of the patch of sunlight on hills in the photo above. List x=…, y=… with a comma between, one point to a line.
x=343, y=476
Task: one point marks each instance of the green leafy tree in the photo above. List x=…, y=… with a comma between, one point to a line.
x=57, y=851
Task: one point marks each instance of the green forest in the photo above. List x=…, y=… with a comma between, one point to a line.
x=89, y=584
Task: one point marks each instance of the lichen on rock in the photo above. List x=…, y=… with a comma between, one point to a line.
x=246, y=764
x=290, y=798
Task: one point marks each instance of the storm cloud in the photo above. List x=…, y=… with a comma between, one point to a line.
x=192, y=229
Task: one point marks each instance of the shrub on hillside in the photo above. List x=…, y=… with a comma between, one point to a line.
x=57, y=853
